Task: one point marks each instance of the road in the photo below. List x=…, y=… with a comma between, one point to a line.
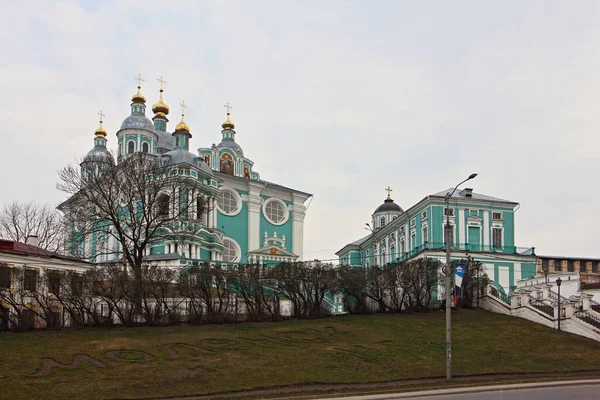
x=579, y=391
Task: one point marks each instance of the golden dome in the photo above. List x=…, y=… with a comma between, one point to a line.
x=160, y=108
x=228, y=124
x=138, y=97
x=100, y=131
x=182, y=127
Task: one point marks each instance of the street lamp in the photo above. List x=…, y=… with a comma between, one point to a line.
x=449, y=272
x=558, y=282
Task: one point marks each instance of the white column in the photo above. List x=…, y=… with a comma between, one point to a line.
x=212, y=217
x=254, y=203
x=486, y=228
x=298, y=213
x=462, y=239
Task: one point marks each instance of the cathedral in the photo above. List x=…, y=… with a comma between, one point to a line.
x=482, y=227
x=248, y=219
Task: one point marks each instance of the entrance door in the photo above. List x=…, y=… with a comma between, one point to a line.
x=474, y=238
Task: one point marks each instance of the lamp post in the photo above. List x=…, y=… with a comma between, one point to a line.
x=558, y=282
x=449, y=272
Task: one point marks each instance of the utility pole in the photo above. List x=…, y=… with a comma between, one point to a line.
x=449, y=272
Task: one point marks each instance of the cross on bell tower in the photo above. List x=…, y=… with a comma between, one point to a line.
x=389, y=190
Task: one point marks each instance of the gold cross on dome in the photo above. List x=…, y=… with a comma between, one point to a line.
x=101, y=115
x=183, y=107
x=228, y=107
x=139, y=79
x=162, y=82
x=389, y=190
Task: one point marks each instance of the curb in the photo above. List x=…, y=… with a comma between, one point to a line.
x=477, y=389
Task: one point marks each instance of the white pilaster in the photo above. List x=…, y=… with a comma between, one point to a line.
x=298, y=213
x=214, y=211
x=462, y=239
x=486, y=228
x=254, y=203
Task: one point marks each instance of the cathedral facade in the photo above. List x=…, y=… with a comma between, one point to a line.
x=482, y=227
x=246, y=219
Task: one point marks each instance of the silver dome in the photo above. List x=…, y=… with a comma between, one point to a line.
x=231, y=144
x=138, y=121
x=181, y=156
x=99, y=154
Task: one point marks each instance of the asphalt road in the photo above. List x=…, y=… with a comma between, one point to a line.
x=583, y=392
x=576, y=391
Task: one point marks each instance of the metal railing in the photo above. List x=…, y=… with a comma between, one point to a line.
x=554, y=296
x=503, y=297
x=595, y=306
x=588, y=318
x=542, y=306
x=474, y=248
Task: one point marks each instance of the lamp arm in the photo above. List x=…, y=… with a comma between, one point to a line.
x=448, y=195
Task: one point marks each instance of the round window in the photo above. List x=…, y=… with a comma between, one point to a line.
x=230, y=251
x=276, y=211
x=227, y=202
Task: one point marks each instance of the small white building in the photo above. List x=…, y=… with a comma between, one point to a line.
x=31, y=278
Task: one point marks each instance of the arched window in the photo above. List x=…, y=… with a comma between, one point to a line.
x=145, y=147
x=130, y=147
x=163, y=205
x=231, y=251
x=382, y=223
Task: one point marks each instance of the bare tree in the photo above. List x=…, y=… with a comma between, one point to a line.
x=353, y=282
x=138, y=203
x=474, y=279
x=20, y=220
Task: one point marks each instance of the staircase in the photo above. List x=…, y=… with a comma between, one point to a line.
x=578, y=313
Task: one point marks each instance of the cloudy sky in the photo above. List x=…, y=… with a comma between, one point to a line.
x=336, y=98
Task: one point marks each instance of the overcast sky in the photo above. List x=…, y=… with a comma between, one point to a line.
x=336, y=98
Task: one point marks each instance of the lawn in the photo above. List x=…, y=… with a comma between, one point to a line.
x=194, y=360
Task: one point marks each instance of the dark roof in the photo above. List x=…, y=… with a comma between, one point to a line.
x=9, y=246
x=218, y=173
x=569, y=258
x=463, y=194
x=388, y=205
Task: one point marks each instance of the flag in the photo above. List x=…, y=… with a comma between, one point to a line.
x=459, y=273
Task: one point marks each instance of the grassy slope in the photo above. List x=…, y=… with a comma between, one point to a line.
x=482, y=343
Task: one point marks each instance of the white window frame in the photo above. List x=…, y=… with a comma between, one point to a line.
x=286, y=211
x=238, y=199
x=450, y=211
x=238, y=250
x=501, y=238
x=499, y=213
